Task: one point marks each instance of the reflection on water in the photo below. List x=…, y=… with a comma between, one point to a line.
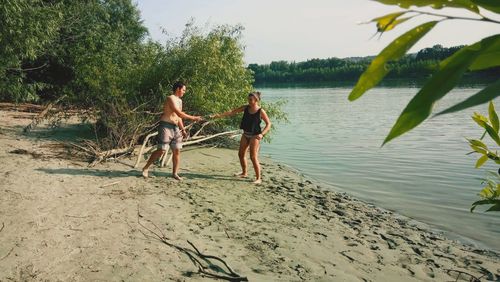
x=424, y=174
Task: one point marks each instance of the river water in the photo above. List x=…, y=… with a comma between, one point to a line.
x=425, y=174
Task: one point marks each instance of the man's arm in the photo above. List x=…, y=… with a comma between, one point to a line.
x=181, y=127
x=180, y=113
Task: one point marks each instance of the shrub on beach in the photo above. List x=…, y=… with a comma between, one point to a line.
x=97, y=56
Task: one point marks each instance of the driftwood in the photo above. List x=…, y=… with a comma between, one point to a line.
x=36, y=120
x=26, y=152
x=464, y=275
x=202, y=126
x=164, y=161
x=91, y=149
x=25, y=107
x=190, y=141
x=110, y=184
x=3, y=225
x=204, y=262
x=209, y=137
x=101, y=156
x=143, y=147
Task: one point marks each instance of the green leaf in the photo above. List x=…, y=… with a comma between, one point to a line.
x=389, y=21
x=489, y=57
x=492, y=133
x=435, y=4
x=487, y=94
x=477, y=143
x=396, y=22
x=495, y=207
x=482, y=202
x=486, y=192
x=395, y=50
x=493, y=116
x=449, y=73
x=481, y=121
x=479, y=149
x=481, y=161
x=492, y=5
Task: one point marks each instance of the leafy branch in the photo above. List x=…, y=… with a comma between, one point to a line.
x=481, y=55
x=490, y=194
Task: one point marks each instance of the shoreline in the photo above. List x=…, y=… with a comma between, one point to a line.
x=452, y=235
x=63, y=221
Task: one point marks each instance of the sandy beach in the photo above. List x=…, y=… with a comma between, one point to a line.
x=63, y=221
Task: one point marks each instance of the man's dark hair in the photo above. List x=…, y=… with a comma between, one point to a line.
x=177, y=84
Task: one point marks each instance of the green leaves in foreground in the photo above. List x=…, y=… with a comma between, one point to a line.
x=490, y=196
x=491, y=193
x=398, y=48
x=389, y=21
x=492, y=5
x=471, y=5
x=491, y=125
x=435, y=4
x=487, y=94
x=449, y=73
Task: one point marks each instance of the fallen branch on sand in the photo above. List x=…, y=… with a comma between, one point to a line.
x=92, y=150
x=464, y=275
x=36, y=120
x=195, y=139
x=100, y=156
x=26, y=152
x=110, y=184
x=202, y=261
x=7, y=254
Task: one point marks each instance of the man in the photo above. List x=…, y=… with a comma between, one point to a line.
x=171, y=130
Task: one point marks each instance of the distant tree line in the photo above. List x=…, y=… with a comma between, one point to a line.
x=412, y=66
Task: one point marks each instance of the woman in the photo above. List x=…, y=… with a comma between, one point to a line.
x=252, y=133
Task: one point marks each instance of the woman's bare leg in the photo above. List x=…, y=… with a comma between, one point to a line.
x=242, y=155
x=254, y=156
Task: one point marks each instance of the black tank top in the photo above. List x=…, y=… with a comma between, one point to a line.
x=250, y=123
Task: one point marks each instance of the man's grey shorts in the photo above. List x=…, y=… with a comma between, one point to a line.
x=169, y=135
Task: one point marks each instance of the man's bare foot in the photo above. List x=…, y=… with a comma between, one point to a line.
x=257, y=181
x=145, y=173
x=177, y=177
x=240, y=175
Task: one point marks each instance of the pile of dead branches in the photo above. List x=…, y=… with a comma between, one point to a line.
x=119, y=132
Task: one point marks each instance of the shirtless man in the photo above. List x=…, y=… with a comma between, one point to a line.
x=171, y=130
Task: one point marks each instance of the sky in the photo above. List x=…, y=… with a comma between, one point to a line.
x=297, y=30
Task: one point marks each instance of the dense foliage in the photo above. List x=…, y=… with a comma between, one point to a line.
x=96, y=55
x=412, y=66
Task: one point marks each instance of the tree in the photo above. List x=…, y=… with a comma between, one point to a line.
x=27, y=28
